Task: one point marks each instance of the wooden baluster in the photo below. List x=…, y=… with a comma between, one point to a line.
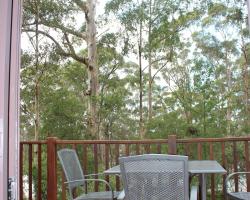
x=63, y=182
x=107, y=163
x=30, y=171
x=137, y=149
x=147, y=148
x=211, y=152
x=51, y=169
x=21, y=172
x=199, y=148
x=247, y=165
x=172, y=149
x=127, y=149
x=235, y=164
x=85, y=162
x=223, y=165
x=187, y=149
x=96, y=167
x=159, y=148
x=39, y=164
x=117, y=155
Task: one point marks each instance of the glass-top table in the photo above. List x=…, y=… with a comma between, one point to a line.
x=195, y=167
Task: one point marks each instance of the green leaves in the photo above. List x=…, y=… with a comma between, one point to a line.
x=116, y=5
x=198, y=53
x=217, y=9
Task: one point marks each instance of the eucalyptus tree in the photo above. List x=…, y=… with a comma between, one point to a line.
x=207, y=112
x=151, y=31
x=132, y=18
x=244, y=64
x=237, y=18
x=171, y=52
x=63, y=102
x=223, y=47
x=38, y=57
x=60, y=25
x=35, y=75
x=115, y=93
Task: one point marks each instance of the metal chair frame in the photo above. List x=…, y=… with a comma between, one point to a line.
x=236, y=195
x=151, y=168
x=80, y=179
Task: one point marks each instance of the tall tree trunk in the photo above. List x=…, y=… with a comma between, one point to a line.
x=37, y=120
x=140, y=74
x=204, y=115
x=150, y=80
x=229, y=87
x=92, y=68
x=245, y=76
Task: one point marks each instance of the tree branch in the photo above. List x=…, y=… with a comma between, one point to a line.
x=112, y=71
x=157, y=60
x=82, y=5
x=153, y=77
x=64, y=29
x=61, y=50
x=71, y=48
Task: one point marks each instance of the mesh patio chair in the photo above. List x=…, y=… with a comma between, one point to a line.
x=75, y=177
x=156, y=177
x=242, y=193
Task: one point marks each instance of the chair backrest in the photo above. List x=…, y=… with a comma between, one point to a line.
x=72, y=168
x=155, y=177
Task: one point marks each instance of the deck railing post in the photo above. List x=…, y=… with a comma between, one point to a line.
x=51, y=169
x=172, y=149
x=247, y=164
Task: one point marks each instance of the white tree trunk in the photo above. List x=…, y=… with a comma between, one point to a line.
x=229, y=110
x=150, y=80
x=245, y=76
x=92, y=68
x=37, y=92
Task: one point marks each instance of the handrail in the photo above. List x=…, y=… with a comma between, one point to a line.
x=225, y=139
x=105, y=153
x=145, y=141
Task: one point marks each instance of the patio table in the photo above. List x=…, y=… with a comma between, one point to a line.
x=195, y=167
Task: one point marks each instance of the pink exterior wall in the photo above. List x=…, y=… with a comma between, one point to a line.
x=9, y=91
x=5, y=21
x=14, y=94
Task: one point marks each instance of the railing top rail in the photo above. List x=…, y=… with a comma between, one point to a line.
x=34, y=142
x=158, y=141
x=147, y=141
x=224, y=139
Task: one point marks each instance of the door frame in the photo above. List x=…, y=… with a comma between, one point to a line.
x=10, y=33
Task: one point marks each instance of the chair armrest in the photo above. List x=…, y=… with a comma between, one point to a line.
x=194, y=193
x=121, y=196
x=75, y=181
x=103, y=174
x=95, y=180
x=101, y=180
x=231, y=175
x=88, y=175
x=235, y=173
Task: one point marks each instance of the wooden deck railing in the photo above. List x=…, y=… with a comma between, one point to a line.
x=41, y=176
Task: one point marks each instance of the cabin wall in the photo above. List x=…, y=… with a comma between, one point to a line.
x=10, y=19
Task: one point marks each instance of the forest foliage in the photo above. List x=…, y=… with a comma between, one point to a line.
x=161, y=67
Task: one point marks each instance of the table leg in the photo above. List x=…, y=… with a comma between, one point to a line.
x=203, y=184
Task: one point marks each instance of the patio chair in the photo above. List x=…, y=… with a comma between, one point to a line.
x=76, y=179
x=156, y=177
x=242, y=194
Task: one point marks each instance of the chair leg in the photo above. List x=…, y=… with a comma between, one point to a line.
x=121, y=196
